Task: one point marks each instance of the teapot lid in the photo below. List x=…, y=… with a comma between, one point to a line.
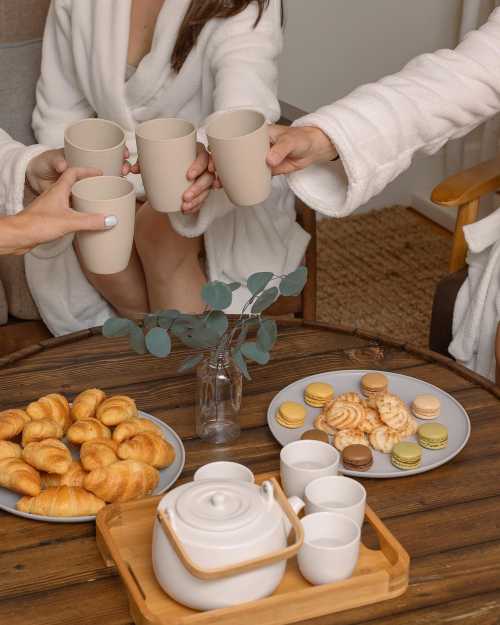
x=221, y=505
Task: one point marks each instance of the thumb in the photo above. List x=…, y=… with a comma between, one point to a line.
x=283, y=146
x=91, y=222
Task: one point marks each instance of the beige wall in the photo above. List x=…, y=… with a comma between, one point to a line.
x=332, y=46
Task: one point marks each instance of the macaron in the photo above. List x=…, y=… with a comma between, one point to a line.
x=315, y=435
x=374, y=383
x=426, y=407
x=406, y=456
x=357, y=458
x=291, y=415
x=433, y=436
x=318, y=393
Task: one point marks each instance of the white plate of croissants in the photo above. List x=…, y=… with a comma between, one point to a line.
x=63, y=462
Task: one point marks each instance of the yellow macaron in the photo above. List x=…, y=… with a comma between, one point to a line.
x=318, y=393
x=291, y=415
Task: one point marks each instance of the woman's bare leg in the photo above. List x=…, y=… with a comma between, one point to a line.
x=125, y=291
x=172, y=268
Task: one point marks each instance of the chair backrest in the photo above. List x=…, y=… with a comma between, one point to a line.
x=21, y=30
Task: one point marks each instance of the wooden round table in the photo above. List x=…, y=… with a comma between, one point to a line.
x=448, y=519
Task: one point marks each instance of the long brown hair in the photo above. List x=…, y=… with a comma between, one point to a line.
x=198, y=14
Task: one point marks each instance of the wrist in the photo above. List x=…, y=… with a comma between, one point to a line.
x=323, y=148
x=11, y=234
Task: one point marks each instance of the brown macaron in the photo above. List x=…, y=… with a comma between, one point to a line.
x=374, y=383
x=357, y=458
x=315, y=435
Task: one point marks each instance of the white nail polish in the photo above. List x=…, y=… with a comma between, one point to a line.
x=110, y=221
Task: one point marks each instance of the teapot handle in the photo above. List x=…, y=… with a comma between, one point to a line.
x=242, y=567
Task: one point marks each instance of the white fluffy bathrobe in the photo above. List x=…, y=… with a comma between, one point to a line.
x=83, y=74
x=379, y=128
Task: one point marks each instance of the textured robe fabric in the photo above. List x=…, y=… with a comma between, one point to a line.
x=233, y=65
x=380, y=127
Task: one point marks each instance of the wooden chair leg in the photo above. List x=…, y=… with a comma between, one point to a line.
x=310, y=290
x=467, y=214
x=497, y=354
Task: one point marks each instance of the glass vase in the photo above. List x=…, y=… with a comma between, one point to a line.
x=218, y=398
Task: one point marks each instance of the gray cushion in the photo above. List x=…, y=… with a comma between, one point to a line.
x=19, y=71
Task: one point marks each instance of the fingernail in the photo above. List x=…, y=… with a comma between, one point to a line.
x=110, y=221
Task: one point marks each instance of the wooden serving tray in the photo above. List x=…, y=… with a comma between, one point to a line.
x=124, y=535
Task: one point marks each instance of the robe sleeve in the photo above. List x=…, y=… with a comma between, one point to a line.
x=59, y=98
x=14, y=159
x=379, y=128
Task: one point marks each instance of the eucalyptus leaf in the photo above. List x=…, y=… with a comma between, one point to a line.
x=167, y=317
x=190, y=363
x=267, y=334
x=265, y=299
x=137, y=340
x=218, y=322
x=116, y=327
x=200, y=338
x=185, y=323
x=294, y=282
x=253, y=352
x=158, y=342
x=258, y=281
x=217, y=295
x=234, y=286
x=241, y=363
x=150, y=321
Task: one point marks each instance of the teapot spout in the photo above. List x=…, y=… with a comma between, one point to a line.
x=297, y=505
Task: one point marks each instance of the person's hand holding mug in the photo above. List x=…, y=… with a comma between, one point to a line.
x=294, y=149
x=50, y=216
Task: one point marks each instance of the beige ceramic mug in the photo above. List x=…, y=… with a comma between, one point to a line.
x=167, y=149
x=108, y=251
x=239, y=143
x=97, y=143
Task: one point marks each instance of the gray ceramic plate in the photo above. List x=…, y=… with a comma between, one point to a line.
x=453, y=416
x=168, y=477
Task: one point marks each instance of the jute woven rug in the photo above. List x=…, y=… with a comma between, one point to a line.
x=378, y=272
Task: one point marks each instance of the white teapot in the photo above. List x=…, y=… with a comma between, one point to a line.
x=218, y=543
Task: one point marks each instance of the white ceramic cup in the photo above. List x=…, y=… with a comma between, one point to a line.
x=302, y=462
x=239, y=143
x=224, y=471
x=97, y=143
x=331, y=548
x=338, y=494
x=107, y=251
x=167, y=149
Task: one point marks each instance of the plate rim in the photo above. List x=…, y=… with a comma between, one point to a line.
x=92, y=517
x=377, y=475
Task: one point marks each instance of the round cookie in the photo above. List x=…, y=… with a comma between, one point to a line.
x=374, y=383
x=345, y=416
x=357, y=458
x=315, y=435
x=426, y=407
x=393, y=412
x=291, y=415
x=321, y=423
x=410, y=429
x=433, y=436
x=344, y=438
x=372, y=419
x=406, y=456
x=383, y=439
x=318, y=394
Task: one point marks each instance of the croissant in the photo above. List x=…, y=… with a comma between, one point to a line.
x=74, y=476
x=17, y=475
x=85, y=404
x=131, y=427
x=86, y=430
x=122, y=481
x=98, y=453
x=116, y=409
x=148, y=448
x=62, y=501
x=12, y=423
x=9, y=450
x=49, y=455
x=38, y=430
x=53, y=406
